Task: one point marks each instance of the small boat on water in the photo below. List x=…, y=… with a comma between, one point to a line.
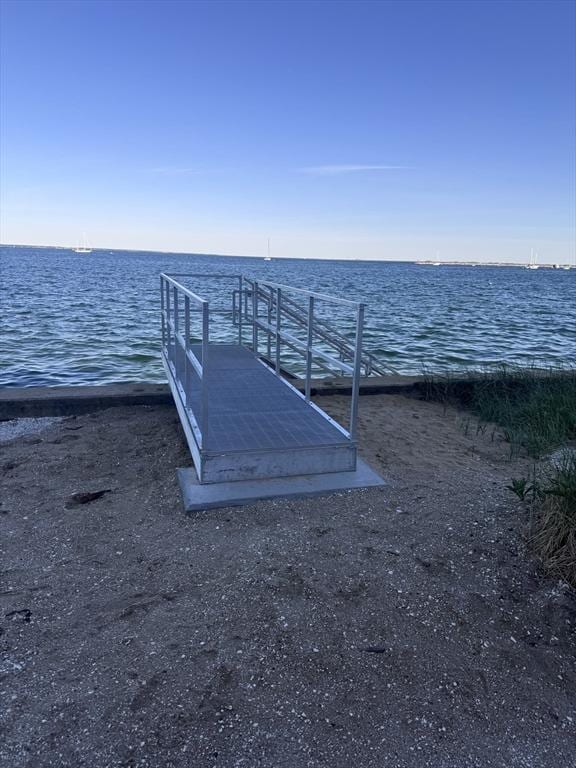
x=533, y=259
x=83, y=246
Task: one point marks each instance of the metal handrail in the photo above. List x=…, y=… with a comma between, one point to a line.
x=273, y=299
x=246, y=300
x=304, y=292
x=176, y=350
x=182, y=289
x=330, y=335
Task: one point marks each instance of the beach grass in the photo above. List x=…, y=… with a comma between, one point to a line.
x=535, y=410
x=551, y=498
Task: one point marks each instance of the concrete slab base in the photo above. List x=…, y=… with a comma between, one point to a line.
x=197, y=496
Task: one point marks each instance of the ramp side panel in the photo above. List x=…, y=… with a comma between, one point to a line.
x=184, y=421
x=251, y=465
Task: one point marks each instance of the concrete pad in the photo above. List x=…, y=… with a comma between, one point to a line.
x=197, y=496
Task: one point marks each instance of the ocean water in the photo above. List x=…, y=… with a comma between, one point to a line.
x=68, y=318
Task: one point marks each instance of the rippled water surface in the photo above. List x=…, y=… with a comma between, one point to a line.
x=70, y=318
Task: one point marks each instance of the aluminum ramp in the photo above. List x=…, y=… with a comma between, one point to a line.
x=251, y=434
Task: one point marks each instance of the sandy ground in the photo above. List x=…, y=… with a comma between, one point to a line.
x=397, y=627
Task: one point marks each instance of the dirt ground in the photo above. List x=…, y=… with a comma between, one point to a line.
x=398, y=627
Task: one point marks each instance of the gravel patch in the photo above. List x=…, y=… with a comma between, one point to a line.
x=10, y=430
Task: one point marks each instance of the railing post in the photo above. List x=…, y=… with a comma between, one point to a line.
x=186, y=350
x=168, y=322
x=309, y=346
x=162, y=314
x=240, y=311
x=269, y=323
x=357, y=370
x=254, y=317
x=278, y=321
x=176, y=329
x=205, y=383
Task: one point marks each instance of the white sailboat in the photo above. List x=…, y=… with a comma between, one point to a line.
x=268, y=257
x=83, y=246
x=533, y=259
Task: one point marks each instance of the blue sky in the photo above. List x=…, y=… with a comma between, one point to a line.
x=344, y=130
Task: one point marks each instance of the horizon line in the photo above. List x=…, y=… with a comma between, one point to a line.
x=447, y=262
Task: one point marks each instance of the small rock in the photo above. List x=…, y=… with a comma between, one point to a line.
x=22, y=614
x=86, y=497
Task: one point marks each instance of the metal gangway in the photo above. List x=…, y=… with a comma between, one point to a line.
x=243, y=418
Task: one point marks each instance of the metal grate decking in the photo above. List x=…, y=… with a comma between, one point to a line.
x=252, y=409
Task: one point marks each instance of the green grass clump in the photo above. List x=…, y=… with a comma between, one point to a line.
x=535, y=408
x=551, y=497
x=536, y=411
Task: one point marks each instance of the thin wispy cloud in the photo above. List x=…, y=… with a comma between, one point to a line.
x=170, y=170
x=336, y=170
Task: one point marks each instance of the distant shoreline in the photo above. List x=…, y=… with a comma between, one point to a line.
x=419, y=262
x=557, y=265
